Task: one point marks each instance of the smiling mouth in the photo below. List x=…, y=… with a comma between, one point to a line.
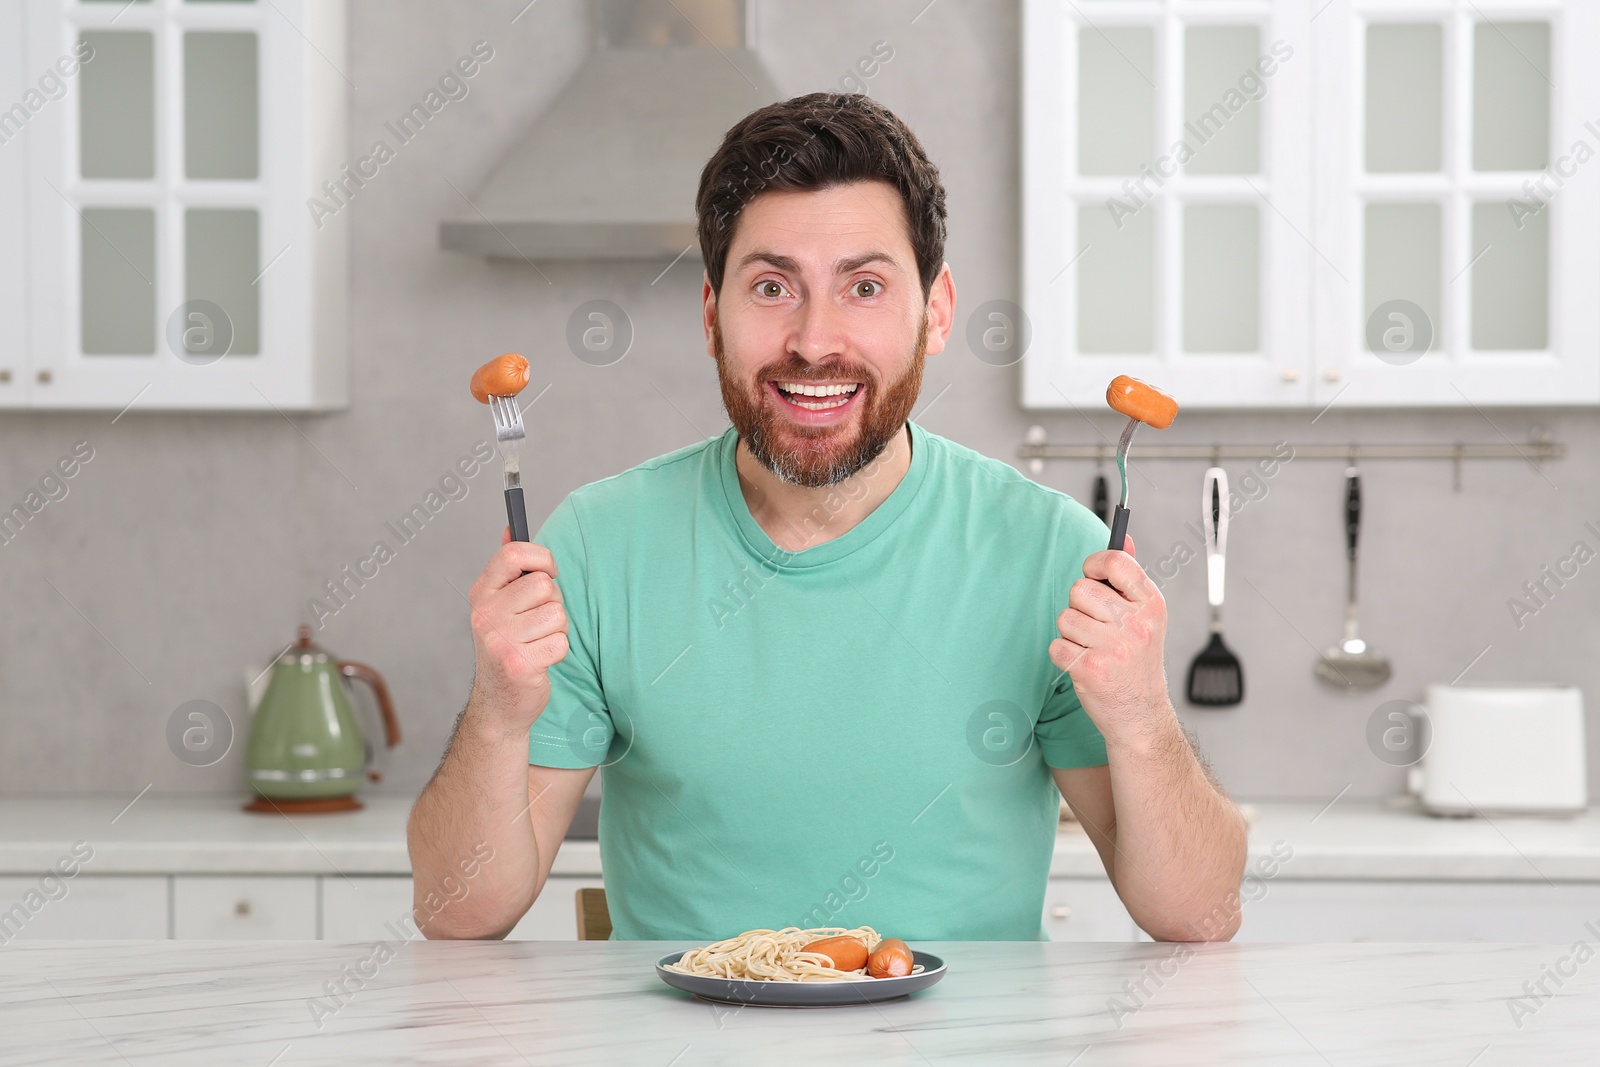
x=817, y=396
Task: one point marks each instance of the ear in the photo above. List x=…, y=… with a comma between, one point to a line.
x=941, y=310
x=708, y=311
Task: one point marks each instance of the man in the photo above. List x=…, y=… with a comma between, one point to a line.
x=838, y=669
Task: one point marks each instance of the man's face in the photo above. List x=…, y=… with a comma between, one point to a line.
x=821, y=329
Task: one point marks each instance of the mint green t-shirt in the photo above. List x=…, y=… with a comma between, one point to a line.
x=857, y=733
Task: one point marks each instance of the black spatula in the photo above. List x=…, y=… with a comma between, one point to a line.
x=1216, y=680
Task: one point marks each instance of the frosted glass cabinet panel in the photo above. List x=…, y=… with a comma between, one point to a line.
x=1405, y=97
x=1221, y=278
x=222, y=258
x=1116, y=282
x=1276, y=204
x=1225, y=129
x=1117, y=100
x=1404, y=249
x=1511, y=95
x=1510, y=283
x=117, y=105
x=221, y=116
x=118, y=263
x=171, y=262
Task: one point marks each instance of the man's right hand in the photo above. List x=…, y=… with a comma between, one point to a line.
x=519, y=631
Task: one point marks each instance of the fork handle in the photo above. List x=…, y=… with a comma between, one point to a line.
x=516, y=514
x=1119, y=534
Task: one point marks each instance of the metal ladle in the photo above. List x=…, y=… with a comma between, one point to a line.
x=1352, y=663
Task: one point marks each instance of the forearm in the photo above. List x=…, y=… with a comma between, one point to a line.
x=1180, y=844
x=474, y=859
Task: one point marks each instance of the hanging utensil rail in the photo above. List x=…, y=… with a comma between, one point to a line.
x=1537, y=449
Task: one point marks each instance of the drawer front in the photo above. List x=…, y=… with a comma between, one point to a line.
x=366, y=909
x=1421, y=911
x=374, y=908
x=244, y=908
x=1085, y=909
x=554, y=916
x=87, y=906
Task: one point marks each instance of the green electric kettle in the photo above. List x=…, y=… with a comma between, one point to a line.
x=306, y=753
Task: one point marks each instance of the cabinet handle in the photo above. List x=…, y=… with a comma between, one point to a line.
x=5, y=375
x=44, y=377
x=1060, y=911
x=1291, y=374
x=1332, y=374
x=242, y=908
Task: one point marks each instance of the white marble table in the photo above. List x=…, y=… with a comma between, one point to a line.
x=548, y=1003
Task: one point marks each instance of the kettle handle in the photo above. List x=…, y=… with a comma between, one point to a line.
x=391, y=725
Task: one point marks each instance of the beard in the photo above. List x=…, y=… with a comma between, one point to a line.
x=818, y=456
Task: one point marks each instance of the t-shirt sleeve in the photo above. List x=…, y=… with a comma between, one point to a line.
x=1067, y=736
x=575, y=728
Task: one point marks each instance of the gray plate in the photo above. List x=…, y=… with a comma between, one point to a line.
x=802, y=994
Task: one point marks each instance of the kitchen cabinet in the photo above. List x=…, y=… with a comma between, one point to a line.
x=86, y=907
x=1280, y=205
x=554, y=916
x=1355, y=870
x=1082, y=909
x=13, y=229
x=361, y=908
x=365, y=908
x=223, y=908
x=376, y=907
x=159, y=172
x=1330, y=910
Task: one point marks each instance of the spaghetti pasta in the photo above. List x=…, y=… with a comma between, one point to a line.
x=775, y=956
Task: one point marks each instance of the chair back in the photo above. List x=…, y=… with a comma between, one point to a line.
x=594, y=918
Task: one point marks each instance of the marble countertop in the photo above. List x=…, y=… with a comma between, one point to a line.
x=554, y=1003
x=155, y=834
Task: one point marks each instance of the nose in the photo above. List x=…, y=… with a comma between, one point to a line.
x=818, y=332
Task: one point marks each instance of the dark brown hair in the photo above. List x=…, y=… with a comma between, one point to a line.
x=815, y=142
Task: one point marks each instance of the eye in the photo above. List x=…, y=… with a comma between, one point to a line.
x=867, y=288
x=770, y=288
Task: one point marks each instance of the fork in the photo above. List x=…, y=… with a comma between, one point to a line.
x=509, y=434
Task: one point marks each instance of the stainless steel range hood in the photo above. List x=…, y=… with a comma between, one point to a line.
x=610, y=170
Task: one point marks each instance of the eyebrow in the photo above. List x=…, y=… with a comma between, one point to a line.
x=788, y=263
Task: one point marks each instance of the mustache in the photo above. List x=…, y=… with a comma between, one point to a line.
x=798, y=371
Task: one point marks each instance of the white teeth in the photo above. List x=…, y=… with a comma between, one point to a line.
x=822, y=405
x=817, y=390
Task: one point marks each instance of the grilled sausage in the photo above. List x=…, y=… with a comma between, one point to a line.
x=505, y=375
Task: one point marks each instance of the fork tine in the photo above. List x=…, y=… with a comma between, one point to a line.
x=507, y=418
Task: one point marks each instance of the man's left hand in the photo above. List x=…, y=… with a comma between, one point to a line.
x=1111, y=643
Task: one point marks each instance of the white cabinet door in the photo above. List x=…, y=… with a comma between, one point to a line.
x=1082, y=909
x=367, y=908
x=172, y=261
x=1421, y=911
x=88, y=906
x=554, y=916
x=15, y=117
x=1166, y=202
x=1457, y=207
x=217, y=908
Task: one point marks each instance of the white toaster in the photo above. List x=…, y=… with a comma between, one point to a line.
x=1503, y=750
